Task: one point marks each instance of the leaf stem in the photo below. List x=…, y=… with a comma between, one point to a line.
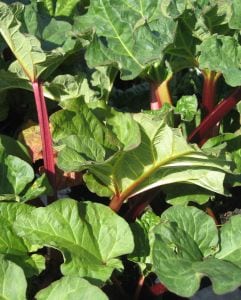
x=139, y=287
x=200, y=134
x=160, y=94
x=116, y=203
x=209, y=90
x=45, y=134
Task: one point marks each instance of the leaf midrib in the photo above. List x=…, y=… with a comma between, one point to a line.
x=128, y=191
x=121, y=42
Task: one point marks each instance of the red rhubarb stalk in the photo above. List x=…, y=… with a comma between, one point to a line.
x=45, y=134
x=199, y=135
x=160, y=94
x=209, y=91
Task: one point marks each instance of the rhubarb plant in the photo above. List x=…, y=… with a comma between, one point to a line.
x=138, y=104
x=188, y=240
x=33, y=64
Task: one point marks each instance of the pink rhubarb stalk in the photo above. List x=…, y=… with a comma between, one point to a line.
x=48, y=155
x=200, y=134
x=160, y=94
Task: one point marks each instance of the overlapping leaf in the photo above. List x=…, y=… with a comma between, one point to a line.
x=60, y=7
x=31, y=59
x=162, y=157
x=13, y=247
x=10, y=273
x=17, y=174
x=222, y=54
x=81, y=122
x=90, y=236
x=71, y=288
x=187, y=241
x=130, y=35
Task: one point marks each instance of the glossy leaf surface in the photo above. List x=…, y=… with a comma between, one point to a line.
x=90, y=236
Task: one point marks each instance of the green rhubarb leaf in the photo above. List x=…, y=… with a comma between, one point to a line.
x=95, y=185
x=50, y=31
x=66, y=87
x=13, y=247
x=41, y=186
x=90, y=236
x=187, y=107
x=81, y=144
x=125, y=128
x=235, y=21
x=91, y=87
x=17, y=175
x=177, y=246
x=9, y=80
x=182, y=194
x=183, y=50
x=82, y=122
x=141, y=229
x=223, y=274
x=213, y=17
x=222, y=54
x=26, y=49
x=31, y=59
x=173, y=9
x=187, y=241
x=149, y=165
x=127, y=34
x=71, y=288
x=10, y=274
x=229, y=144
x=230, y=242
x=60, y=7
x=15, y=148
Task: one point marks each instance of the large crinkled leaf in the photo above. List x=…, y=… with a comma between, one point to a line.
x=82, y=122
x=162, y=157
x=12, y=246
x=92, y=87
x=71, y=288
x=66, y=87
x=127, y=34
x=197, y=21
x=90, y=236
x=31, y=59
x=52, y=32
x=222, y=54
x=183, y=50
x=13, y=284
x=186, y=248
